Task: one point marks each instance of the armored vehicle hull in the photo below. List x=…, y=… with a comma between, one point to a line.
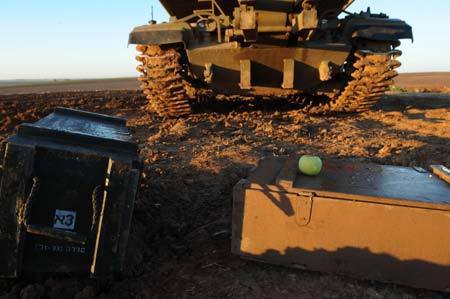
x=268, y=48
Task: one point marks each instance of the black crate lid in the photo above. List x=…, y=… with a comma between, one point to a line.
x=82, y=127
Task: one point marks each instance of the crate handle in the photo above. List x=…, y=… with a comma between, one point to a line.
x=52, y=232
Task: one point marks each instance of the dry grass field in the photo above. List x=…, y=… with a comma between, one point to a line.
x=437, y=82
x=422, y=82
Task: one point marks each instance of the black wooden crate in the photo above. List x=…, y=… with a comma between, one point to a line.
x=67, y=195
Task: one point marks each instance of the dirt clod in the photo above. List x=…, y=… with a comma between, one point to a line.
x=33, y=291
x=88, y=292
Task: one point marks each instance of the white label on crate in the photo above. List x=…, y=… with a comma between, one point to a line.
x=64, y=219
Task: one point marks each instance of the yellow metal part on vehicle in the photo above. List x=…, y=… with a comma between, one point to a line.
x=369, y=221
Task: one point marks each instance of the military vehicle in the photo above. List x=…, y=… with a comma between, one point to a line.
x=282, y=48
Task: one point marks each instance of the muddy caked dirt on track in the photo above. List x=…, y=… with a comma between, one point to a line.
x=180, y=243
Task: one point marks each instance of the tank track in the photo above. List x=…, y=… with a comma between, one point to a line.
x=169, y=94
x=162, y=81
x=370, y=80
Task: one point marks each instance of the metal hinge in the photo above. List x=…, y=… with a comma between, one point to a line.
x=303, y=208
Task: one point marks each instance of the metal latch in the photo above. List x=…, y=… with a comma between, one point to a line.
x=303, y=209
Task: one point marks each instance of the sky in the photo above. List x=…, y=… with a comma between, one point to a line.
x=73, y=39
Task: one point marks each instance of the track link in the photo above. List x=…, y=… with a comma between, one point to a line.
x=162, y=81
x=370, y=80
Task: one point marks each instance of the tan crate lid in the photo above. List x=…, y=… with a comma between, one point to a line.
x=369, y=182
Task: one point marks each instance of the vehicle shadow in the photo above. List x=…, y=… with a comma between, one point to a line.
x=225, y=105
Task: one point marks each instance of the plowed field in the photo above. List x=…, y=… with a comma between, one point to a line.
x=180, y=244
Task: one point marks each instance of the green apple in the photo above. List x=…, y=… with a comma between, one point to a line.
x=310, y=165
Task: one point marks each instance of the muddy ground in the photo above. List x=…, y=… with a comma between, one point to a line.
x=180, y=245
